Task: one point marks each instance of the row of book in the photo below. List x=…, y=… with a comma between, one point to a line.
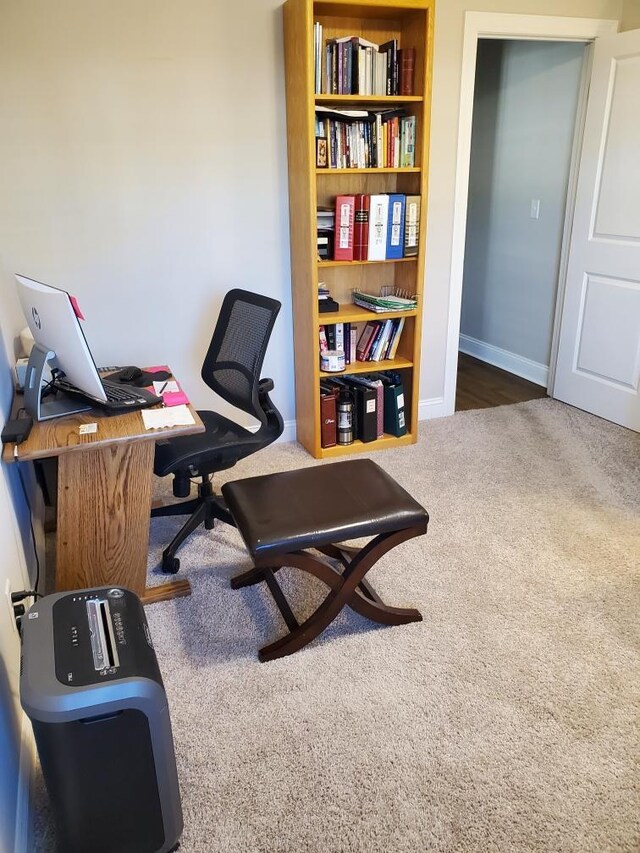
x=372, y=227
x=377, y=341
x=376, y=404
x=352, y=65
x=386, y=142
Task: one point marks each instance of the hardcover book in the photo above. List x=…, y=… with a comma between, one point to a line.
x=378, y=211
x=361, y=228
x=343, y=247
x=395, y=229
x=411, y=225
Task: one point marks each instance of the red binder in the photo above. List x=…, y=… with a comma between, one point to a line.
x=361, y=228
x=343, y=243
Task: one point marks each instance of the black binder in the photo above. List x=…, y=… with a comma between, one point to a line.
x=366, y=410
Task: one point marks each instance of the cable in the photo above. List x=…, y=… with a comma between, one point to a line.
x=33, y=535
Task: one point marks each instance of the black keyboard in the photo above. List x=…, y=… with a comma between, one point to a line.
x=120, y=398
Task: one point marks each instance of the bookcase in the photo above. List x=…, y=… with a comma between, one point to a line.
x=378, y=21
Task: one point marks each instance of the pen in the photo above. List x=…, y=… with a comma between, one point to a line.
x=162, y=389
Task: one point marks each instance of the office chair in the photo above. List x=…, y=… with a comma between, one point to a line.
x=231, y=368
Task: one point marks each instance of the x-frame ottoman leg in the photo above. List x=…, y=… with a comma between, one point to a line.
x=348, y=588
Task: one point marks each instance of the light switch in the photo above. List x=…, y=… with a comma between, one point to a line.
x=535, y=208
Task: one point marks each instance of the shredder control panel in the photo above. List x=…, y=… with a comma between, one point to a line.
x=101, y=635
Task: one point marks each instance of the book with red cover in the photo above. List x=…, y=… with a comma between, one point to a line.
x=406, y=65
x=361, y=228
x=343, y=242
x=327, y=417
x=366, y=339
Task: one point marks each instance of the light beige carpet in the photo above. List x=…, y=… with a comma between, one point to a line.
x=508, y=720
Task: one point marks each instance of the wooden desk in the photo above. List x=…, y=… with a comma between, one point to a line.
x=104, y=498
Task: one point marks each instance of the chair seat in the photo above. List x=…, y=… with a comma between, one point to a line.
x=280, y=513
x=222, y=444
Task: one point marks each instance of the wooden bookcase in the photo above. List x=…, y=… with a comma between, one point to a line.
x=411, y=22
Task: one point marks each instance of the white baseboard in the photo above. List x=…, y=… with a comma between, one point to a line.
x=433, y=407
x=289, y=432
x=517, y=364
x=24, y=828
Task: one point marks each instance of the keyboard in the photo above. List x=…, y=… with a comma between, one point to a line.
x=120, y=398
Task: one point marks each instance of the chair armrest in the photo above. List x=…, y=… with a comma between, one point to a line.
x=274, y=419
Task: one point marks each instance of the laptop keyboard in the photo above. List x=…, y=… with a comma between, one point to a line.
x=119, y=397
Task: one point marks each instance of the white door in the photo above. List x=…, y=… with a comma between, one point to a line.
x=598, y=365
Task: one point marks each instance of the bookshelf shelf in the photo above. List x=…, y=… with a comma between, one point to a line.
x=350, y=313
x=398, y=363
x=360, y=263
x=408, y=23
x=369, y=171
x=368, y=99
x=384, y=443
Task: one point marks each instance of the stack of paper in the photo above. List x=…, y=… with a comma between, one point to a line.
x=167, y=417
x=380, y=304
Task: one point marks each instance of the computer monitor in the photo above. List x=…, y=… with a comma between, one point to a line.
x=57, y=332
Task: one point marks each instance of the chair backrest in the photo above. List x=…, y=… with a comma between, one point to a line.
x=234, y=359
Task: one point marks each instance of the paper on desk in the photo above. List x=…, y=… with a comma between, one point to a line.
x=175, y=416
x=171, y=387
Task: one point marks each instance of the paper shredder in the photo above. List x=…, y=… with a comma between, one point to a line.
x=91, y=686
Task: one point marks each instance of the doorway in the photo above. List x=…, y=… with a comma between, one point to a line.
x=525, y=108
x=486, y=25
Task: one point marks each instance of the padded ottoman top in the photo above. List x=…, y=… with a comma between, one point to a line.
x=280, y=513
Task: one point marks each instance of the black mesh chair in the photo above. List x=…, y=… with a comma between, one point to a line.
x=232, y=369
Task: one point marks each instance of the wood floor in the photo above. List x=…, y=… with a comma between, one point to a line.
x=483, y=386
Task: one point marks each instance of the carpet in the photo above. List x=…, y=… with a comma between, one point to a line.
x=508, y=720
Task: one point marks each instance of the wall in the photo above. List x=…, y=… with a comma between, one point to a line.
x=144, y=169
x=14, y=544
x=523, y=128
x=630, y=15
x=449, y=29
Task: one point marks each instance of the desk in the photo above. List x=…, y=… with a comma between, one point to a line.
x=104, y=498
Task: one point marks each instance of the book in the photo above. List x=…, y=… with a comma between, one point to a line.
x=378, y=211
x=343, y=244
x=366, y=409
x=347, y=343
x=395, y=339
x=390, y=48
x=406, y=64
x=339, y=336
x=322, y=335
x=412, y=225
x=361, y=228
x=328, y=436
x=365, y=340
x=377, y=385
x=395, y=229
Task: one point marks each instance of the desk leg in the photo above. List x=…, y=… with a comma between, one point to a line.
x=104, y=506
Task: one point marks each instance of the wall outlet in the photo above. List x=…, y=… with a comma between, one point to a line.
x=535, y=208
x=9, y=605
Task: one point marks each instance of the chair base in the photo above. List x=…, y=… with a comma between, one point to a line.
x=205, y=509
x=347, y=588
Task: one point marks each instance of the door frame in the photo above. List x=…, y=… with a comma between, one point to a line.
x=497, y=25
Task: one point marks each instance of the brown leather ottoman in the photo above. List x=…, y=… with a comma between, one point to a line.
x=281, y=516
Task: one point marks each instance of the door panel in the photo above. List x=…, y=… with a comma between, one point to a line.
x=598, y=366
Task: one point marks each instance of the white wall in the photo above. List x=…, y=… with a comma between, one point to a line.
x=144, y=168
x=14, y=532
x=144, y=161
x=449, y=29
x=523, y=129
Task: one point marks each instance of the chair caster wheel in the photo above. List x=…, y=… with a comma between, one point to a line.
x=170, y=565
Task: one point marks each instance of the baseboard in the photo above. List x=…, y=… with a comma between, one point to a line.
x=289, y=432
x=432, y=408
x=24, y=822
x=517, y=364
